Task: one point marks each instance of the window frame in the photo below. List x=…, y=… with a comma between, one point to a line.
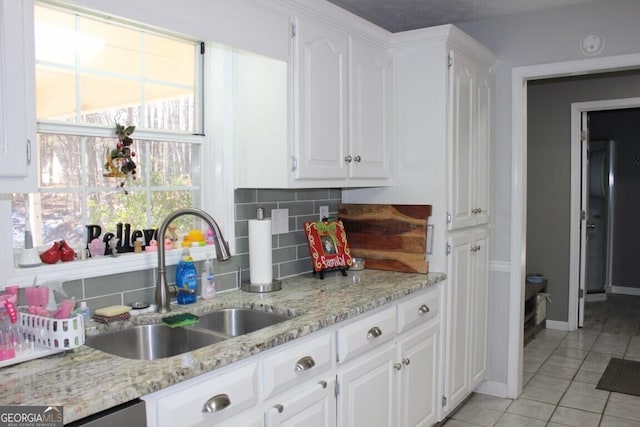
x=216, y=176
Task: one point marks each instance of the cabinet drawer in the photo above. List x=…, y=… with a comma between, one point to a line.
x=226, y=395
x=366, y=334
x=297, y=362
x=418, y=310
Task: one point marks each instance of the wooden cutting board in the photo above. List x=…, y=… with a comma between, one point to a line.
x=388, y=237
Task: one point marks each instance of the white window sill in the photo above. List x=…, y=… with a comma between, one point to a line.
x=102, y=266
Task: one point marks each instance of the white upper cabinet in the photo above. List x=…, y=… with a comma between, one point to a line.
x=322, y=118
x=470, y=97
x=321, y=108
x=17, y=98
x=341, y=88
x=370, y=131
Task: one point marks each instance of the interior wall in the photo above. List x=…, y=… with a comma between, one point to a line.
x=622, y=126
x=549, y=172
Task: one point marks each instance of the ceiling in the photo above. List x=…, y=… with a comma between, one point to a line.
x=403, y=15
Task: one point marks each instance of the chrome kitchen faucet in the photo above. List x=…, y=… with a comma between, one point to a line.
x=163, y=301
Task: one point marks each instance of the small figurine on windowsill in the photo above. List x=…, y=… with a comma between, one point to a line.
x=113, y=245
x=173, y=236
x=119, y=161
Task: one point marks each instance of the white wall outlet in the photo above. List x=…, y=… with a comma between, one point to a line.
x=279, y=221
x=324, y=212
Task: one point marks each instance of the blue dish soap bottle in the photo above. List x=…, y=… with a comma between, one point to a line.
x=186, y=279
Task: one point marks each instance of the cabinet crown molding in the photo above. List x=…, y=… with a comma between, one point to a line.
x=448, y=33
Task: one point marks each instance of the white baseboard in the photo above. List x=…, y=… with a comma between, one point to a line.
x=624, y=290
x=492, y=388
x=559, y=326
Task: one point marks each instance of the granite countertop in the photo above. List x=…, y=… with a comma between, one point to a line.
x=86, y=381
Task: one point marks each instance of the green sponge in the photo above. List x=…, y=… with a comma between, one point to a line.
x=179, y=320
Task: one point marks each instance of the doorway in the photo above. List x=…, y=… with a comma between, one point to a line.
x=604, y=140
x=520, y=77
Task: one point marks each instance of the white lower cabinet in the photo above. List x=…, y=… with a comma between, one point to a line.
x=466, y=346
x=418, y=352
x=383, y=371
x=367, y=390
x=397, y=383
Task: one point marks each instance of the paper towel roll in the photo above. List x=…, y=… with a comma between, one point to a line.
x=260, y=264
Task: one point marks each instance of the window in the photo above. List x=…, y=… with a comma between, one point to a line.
x=92, y=73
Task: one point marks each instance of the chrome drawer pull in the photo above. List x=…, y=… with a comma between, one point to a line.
x=323, y=384
x=406, y=361
x=374, y=332
x=216, y=403
x=397, y=366
x=305, y=363
x=423, y=309
x=279, y=408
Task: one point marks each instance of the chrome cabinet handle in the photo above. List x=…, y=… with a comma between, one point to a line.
x=374, y=332
x=357, y=159
x=278, y=408
x=216, y=403
x=406, y=361
x=323, y=384
x=397, y=366
x=348, y=158
x=304, y=364
x=424, y=309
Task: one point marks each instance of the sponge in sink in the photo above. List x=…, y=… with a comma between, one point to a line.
x=179, y=320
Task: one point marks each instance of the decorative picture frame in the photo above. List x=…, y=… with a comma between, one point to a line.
x=328, y=246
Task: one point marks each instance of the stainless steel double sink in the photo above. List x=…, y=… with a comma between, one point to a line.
x=150, y=342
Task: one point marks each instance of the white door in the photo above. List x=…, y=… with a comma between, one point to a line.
x=478, y=307
x=320, y=68
x=584, y=209
x=368, y=390
x=458, y=318
x=418, y=352
x=370, y=136
x=462, y=94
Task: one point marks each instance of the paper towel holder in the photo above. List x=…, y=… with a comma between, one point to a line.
x=276, y=285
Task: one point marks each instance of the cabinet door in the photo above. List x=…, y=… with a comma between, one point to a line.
x=478, y=308
x=418, y=351
x=458, y=302
x=368, y=387
x=17, y=98
x=369, y=137
x=310, y=405
x=466, y=342
x=461, y=116
x=320, y=85
x=482, y=147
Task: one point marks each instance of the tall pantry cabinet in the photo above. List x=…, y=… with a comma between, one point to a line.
x=442, y=135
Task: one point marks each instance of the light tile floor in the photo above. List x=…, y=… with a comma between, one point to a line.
x=560, y=373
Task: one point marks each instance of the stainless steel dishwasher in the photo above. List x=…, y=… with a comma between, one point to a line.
x=130, y=414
